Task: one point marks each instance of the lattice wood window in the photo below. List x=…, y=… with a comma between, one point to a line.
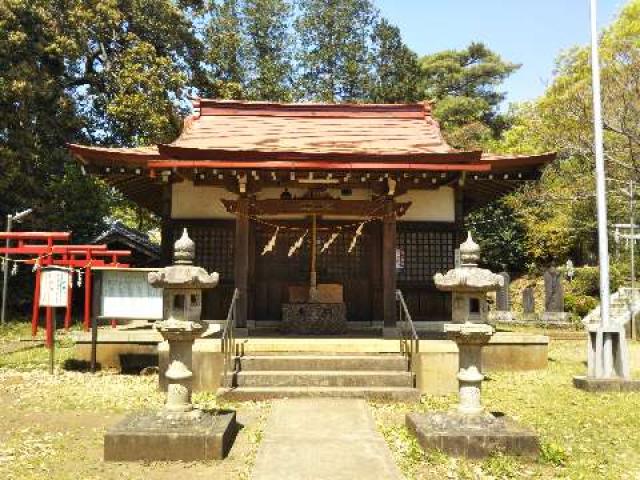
x=214, y=246
x=423, y=253
x=276, y=264
x=334, y=265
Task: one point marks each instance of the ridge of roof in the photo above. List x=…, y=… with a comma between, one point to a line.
x=209, y=106
x=139, y=238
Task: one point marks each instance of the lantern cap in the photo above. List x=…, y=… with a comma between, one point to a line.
x=184, y=250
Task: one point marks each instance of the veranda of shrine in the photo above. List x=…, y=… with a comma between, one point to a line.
x=250, y=180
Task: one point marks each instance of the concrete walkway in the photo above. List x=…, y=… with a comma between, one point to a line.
x=323, y=439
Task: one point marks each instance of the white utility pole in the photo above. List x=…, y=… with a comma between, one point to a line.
x=601, y=187
x=10, y=219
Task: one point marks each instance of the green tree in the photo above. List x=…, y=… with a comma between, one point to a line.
x=501, y=235
x=397, y=77
x=463, y=85
x=90, y=71
x=269, y=49
x=226, y=47
x=333, y=49
x=559, y=212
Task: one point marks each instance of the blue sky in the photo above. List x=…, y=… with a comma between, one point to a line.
x=530, y=32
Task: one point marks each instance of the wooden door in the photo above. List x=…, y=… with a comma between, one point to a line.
x=276, y=271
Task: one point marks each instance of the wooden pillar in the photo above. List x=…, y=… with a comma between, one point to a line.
x=389, y=268
x=459, y=215
x=166, y=247
x=36, y=304
x=87, y=298
x=241, y=264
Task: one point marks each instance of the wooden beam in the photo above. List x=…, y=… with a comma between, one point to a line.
x=360, y=208
x=166, y=228
x=241, y=264
x=389, y=283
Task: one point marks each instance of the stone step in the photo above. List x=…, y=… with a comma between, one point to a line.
x=319, y=378
x=387, y=394
x=323, y=362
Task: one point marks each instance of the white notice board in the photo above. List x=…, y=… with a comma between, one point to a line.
x=54, y=286
x=127, y=294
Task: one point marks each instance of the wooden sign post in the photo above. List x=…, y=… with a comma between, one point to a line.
x=54, y=288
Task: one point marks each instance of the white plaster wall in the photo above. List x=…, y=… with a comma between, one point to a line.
x=189, y=201
x=429, y=205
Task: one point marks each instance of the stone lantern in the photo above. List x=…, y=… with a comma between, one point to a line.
x=469, y=286
x=179, y=431
x=182, y=285
x=469, y=430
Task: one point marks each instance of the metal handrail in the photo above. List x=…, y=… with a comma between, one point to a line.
x=409, y=339
x=229, y=347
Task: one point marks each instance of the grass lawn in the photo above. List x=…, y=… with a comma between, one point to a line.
x=590, y=436
x=52, y=427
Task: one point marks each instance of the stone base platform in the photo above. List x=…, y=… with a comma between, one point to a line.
x=314, y=318
x=472, y=436
x=155, y=437
x=589, y=384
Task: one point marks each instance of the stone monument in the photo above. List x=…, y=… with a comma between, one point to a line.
x=529, y=305
x=503, y=313
x=469, y=430
x=554, y=297
x=179, y=431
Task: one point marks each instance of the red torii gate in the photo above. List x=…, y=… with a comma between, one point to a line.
x=49, y=253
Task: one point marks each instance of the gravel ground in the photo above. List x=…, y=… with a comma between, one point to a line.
x=52, y=427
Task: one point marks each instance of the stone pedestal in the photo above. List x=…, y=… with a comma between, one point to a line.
x=474, y=436
x=470, y=338
x=555, y=317
x=314, y=318
x=158, y=437
x=607, y=361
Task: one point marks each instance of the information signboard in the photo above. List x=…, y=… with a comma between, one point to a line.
x=54, y=286
x=126, y=294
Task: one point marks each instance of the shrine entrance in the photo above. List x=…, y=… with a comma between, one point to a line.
x=356, y=271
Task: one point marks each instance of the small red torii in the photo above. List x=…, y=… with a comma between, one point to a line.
x=47, y=252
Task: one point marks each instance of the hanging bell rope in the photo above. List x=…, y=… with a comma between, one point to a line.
x=271, y=243
x=296, y=246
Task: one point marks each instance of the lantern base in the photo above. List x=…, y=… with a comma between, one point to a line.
x=159, y=436
x=472, y=436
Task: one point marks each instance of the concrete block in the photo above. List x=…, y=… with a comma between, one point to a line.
x=515, y=351
x=472, y=437
x=600, y=385
x=115, y=355
x=154, y=437
x=436, y=369
x=207, y=365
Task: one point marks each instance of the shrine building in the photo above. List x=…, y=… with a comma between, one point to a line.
x=335, y=203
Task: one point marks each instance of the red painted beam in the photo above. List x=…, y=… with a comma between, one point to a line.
x=320, y=165
x=35, y=235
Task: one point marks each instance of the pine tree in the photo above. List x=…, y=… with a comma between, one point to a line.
x=397, y=72
x=269, y=49
x=464, y=83
x=225, y=50
x=334, y=48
